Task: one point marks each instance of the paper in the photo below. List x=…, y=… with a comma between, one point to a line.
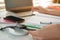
x=42, y=19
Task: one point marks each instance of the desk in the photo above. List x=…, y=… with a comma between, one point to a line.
x=42, y=19
x=46, y=19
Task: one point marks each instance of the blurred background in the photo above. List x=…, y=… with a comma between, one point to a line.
x=43, y=3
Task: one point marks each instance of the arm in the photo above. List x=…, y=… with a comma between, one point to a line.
x=53, y=12
x=45, y=11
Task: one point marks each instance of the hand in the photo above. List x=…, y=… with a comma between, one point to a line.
x=49, y=32
x=39, y=9
x=46, y=11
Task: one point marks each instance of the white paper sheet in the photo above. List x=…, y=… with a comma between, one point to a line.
x=44, y=18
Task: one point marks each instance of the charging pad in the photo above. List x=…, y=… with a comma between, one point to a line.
x=17, y=32
x=6, y=36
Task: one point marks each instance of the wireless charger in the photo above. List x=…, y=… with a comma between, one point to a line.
x=17, y=32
